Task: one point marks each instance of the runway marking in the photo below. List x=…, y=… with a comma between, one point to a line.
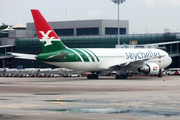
x=150, y=103
x=50, y=112
x=10, y=106
x=18, y=114
x=135, y=104
x=34, y=113
x=59, y=101
x=30, y=106
x=148, y=106
x=18, y=106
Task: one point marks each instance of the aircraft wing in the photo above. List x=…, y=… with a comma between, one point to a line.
x=139, y=63
x=123, y=64
x=23, y=56
x=135, y=63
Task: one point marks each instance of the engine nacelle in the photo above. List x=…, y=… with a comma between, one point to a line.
x=150, y=68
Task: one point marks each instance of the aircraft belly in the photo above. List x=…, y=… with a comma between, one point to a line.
x=84, y=66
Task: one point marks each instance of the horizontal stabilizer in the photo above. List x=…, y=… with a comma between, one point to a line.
x=23, y=56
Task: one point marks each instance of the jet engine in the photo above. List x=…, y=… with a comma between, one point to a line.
x=150, y=68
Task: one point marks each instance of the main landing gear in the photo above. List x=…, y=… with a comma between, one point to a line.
x=121, y=76
x=160, y=74
x=93, y=76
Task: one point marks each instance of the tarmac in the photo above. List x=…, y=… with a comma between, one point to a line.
x=78, y=98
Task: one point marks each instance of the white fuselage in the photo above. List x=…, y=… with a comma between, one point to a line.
x=122, y=57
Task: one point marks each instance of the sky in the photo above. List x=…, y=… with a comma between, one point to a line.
x=145, y=16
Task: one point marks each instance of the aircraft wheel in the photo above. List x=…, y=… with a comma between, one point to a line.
x=124, y=76
x=89, y=76
x=117, y=77
x=92, y=76
x=121, y=77
x=96, y=76
x=159, y=74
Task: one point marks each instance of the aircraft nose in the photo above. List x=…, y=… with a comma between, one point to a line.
x=170, y=60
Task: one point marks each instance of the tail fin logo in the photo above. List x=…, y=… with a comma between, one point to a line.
x=46, y=38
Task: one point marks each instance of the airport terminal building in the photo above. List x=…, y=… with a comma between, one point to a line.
x=83, y=34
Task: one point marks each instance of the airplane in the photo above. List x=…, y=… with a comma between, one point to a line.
x=96, y=60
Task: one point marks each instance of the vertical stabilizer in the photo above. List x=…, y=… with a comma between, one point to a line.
x=48, y=38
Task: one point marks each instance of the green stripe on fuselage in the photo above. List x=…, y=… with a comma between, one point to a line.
x=93, y=54
x=89, y=54
x=85, y=58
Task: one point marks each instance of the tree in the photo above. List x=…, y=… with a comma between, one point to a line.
x=3, y=26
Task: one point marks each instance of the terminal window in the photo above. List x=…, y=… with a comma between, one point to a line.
x=64, y=32
x=114, y=31
x=87, y=31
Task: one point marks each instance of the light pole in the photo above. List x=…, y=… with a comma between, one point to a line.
x=118, y=2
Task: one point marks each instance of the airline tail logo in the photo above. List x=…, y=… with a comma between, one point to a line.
x=46, y=38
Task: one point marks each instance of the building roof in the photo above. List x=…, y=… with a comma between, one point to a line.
x=18, y=25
